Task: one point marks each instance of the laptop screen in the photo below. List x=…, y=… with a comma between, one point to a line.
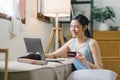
x=34, y=45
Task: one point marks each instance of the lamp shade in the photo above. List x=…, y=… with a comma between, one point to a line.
x=61, y=8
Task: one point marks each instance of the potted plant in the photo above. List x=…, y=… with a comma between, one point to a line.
x=103, y=14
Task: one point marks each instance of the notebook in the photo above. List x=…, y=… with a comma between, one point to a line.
x=34, y=47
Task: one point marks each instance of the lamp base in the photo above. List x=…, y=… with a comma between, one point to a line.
x=60, y=34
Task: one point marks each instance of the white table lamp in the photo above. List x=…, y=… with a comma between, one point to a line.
x=56, y=8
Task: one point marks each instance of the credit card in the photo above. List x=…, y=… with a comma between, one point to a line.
x=71, y=54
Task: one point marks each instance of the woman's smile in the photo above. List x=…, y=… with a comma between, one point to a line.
x=75, y=33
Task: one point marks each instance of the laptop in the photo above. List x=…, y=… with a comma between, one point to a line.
x=34, y=45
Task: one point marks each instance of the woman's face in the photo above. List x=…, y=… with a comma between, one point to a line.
x=76, y=29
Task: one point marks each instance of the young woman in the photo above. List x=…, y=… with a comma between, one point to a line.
x=86, y=48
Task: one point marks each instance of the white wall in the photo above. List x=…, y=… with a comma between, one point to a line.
x=32, y=28
x=116, y=6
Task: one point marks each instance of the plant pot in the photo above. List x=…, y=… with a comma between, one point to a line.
x=103, y=27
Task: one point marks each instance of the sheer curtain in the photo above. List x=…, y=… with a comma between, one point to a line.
x=16, y=9
x=16, y=20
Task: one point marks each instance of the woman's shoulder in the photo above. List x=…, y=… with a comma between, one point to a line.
x=92, y=41
x=69, y=43
x=71, y=40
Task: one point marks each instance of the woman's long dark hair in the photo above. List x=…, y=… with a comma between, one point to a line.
x=83, y=21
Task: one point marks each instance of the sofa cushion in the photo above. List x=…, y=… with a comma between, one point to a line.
x=92, y=74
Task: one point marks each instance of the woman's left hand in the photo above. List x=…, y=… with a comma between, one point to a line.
x=81, y=57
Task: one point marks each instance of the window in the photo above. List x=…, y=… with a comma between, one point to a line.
x=6, y=7
x=13, y=8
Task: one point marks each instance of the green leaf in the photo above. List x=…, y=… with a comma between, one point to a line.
x=103, y=14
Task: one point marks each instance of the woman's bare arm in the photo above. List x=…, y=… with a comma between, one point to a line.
x=61, y=51
x=94, y=48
